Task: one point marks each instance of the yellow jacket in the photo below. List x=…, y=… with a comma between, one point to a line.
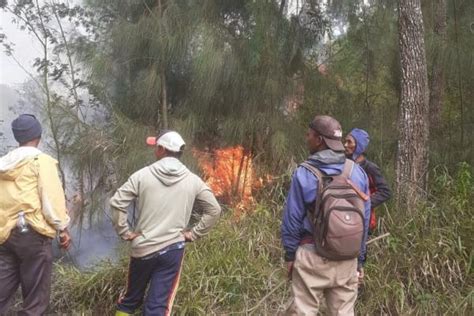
x=29, y=182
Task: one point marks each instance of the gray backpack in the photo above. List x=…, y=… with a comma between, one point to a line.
x=338, y=215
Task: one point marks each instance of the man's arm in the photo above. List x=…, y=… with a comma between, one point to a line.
x=302, y=191
x=365, y=189
x=383, y=192
x=207, y=205
x=119, y=204
x=53, y=202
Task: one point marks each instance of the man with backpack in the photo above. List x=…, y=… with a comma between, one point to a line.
x=325, y=224
x=167, y=194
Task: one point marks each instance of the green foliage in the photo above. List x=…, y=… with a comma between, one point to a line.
x=230, y=68
x=230, y=270
x=252, y=266
x=452, y=140
x=78, y=291
x=225, y=64
x=359, y=81
x=424, y=267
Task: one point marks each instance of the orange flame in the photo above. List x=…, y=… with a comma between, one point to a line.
x=229, y=172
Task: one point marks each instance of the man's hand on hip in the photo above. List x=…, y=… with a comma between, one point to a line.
x=188, y=236
x=131, y=236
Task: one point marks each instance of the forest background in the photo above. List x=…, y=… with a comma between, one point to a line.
x=246, y=77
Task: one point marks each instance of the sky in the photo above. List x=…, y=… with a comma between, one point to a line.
x=25, y=50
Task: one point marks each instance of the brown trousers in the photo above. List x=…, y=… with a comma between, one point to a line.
x=26, y=260
x=314, y=277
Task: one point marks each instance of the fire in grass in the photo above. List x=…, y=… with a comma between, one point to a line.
x=231, y=175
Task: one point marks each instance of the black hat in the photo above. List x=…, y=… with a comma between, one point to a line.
x=26, y=128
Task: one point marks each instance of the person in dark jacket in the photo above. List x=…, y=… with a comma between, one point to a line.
x=356, y=144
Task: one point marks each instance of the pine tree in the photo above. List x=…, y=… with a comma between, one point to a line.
x=412, y=160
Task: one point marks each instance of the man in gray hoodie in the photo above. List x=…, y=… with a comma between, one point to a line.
x=167, y=194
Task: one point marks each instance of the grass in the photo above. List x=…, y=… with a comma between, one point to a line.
x=425, y=266
x=233, y=269
x=228, y=272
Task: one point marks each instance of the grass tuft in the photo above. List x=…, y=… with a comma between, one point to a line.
x=425, y=266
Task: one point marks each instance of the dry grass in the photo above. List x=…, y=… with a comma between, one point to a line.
x=425, y=267
x=228, y=272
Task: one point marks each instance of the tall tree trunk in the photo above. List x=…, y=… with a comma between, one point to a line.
x=49, y=102
x=437, y=74
x=164, y=97
x=282, y=6
x=368, y=59
x=412, y=158
x=72, y=69
x=460, y=83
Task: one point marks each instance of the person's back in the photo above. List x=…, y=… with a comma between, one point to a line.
x=32, y=210
x=305, y=185
x=20, y=172
x=313, y=275
x=167, y=193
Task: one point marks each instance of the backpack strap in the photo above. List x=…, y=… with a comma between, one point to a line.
x=348, y=167
x=316, y=172
x=319, y=175
x=346, y=173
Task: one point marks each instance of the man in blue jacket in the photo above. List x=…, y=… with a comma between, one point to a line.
x=313, y=276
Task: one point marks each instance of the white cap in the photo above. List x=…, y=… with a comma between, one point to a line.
x=169, y=140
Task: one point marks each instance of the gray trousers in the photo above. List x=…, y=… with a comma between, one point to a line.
x=26, y=259
x=315, y=278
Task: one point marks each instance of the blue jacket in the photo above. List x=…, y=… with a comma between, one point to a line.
x=302, y=195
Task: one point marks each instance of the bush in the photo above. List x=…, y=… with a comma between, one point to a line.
x=230, y=270
x=423, y=267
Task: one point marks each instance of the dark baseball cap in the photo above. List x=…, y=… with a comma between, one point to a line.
x=330, y=129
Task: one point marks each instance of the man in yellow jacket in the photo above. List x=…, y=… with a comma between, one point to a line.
x=32, y=212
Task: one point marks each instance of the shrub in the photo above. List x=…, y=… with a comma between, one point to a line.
x=424, y=267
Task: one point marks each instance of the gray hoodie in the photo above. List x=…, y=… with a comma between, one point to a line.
x=167, y=194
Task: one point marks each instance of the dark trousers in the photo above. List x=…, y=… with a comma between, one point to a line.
x=26, y=260
x=162, y=271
